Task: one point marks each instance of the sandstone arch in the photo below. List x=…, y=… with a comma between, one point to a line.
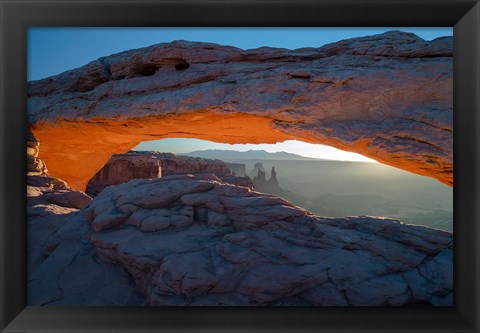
x=388, y=97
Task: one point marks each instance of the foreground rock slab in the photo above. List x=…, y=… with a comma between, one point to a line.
x=195, y=240
x=388, y=97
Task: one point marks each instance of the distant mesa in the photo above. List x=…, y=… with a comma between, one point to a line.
x=258, y=167
x=238, y=169
x=273, y=178
x=147, y=165
x=251, y=154
x=261, y=183
x=272, y=186
x=122, y=168
x=46, y=193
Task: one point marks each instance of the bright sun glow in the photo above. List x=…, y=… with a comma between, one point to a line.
x=290, y=146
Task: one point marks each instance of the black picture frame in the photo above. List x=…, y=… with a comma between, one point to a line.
x=17, y=16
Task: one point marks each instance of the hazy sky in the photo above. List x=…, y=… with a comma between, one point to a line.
x=52, y=51
x=291, y=146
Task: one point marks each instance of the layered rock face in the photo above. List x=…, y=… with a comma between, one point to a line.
x=35, y=166
x=45, y=192
x=257, y=170
x=388, y=97
x=177, y=165
x=195, y=240
x=144, y=165
x=238, y=169
x=63, y=268
x=123, y=167
x=260, y=181
x=272, y=186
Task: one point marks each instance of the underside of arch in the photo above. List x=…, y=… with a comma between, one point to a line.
x=388, y=97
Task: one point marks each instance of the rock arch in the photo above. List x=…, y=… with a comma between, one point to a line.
x=388, y=97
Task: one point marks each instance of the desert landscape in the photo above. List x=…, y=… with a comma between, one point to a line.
x=345, y=188
x=112, y=226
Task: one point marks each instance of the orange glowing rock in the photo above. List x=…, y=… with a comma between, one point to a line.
x=388, y=97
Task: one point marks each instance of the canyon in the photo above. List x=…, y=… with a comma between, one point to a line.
x=388, y=97
x=144, y=164
x=197, y=239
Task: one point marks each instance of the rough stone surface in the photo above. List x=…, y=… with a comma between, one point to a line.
x=388, y=97
x=145, y=165
x=35, y=166
x=177, y=165
x=43, y=190
x=122, y=168
x=195, y=240
x=63, y=268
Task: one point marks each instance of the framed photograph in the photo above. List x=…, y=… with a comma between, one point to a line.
x=355, y=208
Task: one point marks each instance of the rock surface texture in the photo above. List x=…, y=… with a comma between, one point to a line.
x=388, y=97
x=122, y=168
x=177, y=165
x=195, y=240
x=144, y=165
x=45, y=192
x=63, y=267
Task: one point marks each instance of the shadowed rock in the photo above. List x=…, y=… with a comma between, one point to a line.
x=63, y=268
x=144, y=165
x=195, y=240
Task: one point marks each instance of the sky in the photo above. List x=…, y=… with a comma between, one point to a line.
x=52, y=51
x=290, y=146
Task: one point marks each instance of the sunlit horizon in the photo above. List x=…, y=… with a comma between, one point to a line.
x=181, y=146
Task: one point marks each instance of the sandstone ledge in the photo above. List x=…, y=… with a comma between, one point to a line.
x=195, y=240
